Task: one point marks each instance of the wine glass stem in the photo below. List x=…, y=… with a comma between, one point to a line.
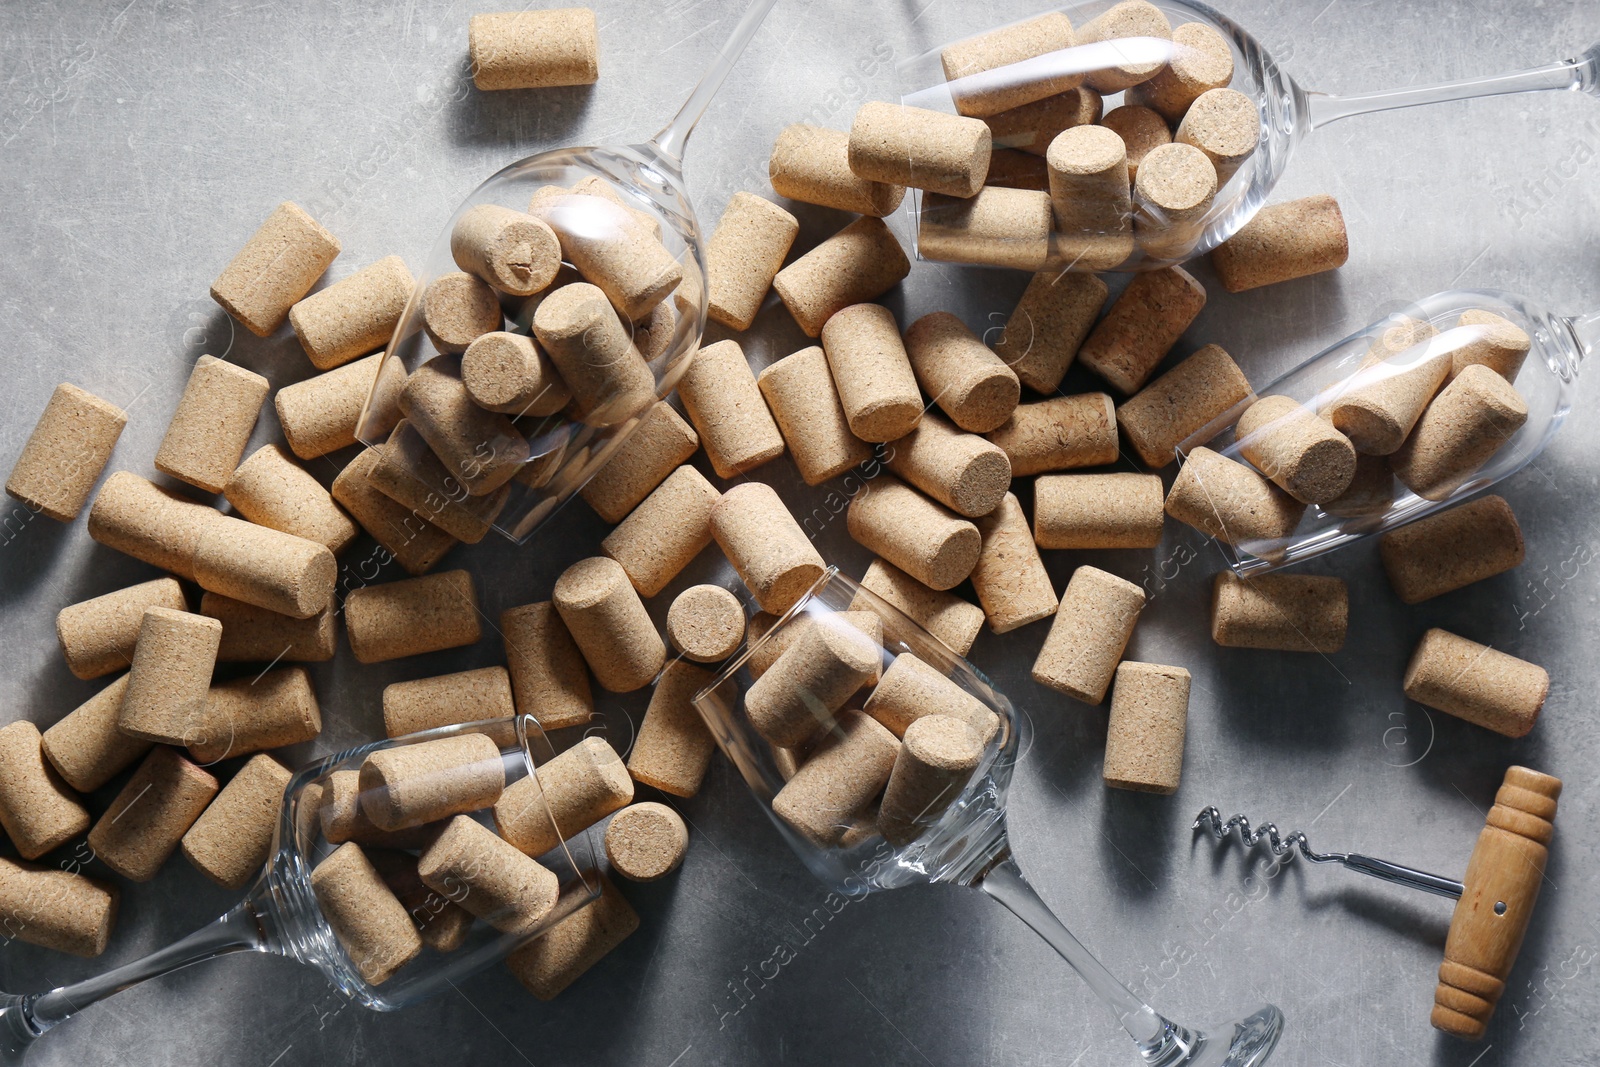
x=1580, y=74
x=1004, y=882
x=675, y=134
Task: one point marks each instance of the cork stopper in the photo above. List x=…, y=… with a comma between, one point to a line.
x=353, y=316
x=486, y=875
x=969, y=382
x=1171, y=196
x=960, y=470
x=86, y=747
x=1091, y=629
x=1452, y=549
x=646, y=842
x=796, y=697
x=1144, y=734
x=922, y=149
x=771, y=553
x=457, y=309
x=65, y=454
x=660, y=442
x=1031, y=127
x=548, y=964
x=872, y=372
x=416, y=544
x=1231, y=502
x=1048, y=325
x=1201, y=60
x=744, y=254
x=1284, y=241
x=1302, y=454
x=1097, y=511
x=1089, y=197
x=1482, y=685
x=447, y=699
x=1180, y=403
x=577, y=789
x=946, y=616
x=152, y=813
x=838, y=780
x=1141, y=327
x=966, y=61
x=171, y=673
x=483, y=449
x=534, y=49
x=799, y=391
x=1501, y=345
x=1470, y=420
x=659, y=538
x=1142, y=131
x=922, y=538
x=97, y=636
x=213, y=423
x=341, y=818
x=812, y=165
x=258, y=565
x=767, y=643
x=270, y=490
x=230, y=841
x=412, y=475
x=1131, y=18
x=511, y=250
x=1391, y=390
x=1226, y=126
x=250, y=714
x=549, y=679
x=56, y=909
x=149, y=523
x=912, y=690
x=706, y=623
x=275, y=269
x=1287, y=612
x=1010, y=578
x=320, y=415
x=589, y=345
x=674, y=746
x=415, y=784
x=859, y=263
x=720, y=395
x=443, y=924
x=368, y=919
x=933, y=765
x=996, y=226
x=1059, y=434
x=412, y=616
x=1371, y=491
x=506, y=373
x=608, y=621
x=37, y=810
x=613, y=251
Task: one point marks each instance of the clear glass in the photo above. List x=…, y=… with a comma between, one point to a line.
x=563, y=452
x=1288, y=113
x=963, y=843
x=1546, y=382
x=280, y=914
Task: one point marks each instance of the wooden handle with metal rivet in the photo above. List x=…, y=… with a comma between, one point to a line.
x=1502, y=885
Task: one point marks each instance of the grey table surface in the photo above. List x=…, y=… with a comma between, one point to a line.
x=141, y=141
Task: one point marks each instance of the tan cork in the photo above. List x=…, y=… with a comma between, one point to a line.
x=412, y=616
x=549, y=679
x=926, y=540
x=270, y=490
x=1302, y=453
x=674, y=745
x=996, y=226
x=798, y=695
x=646, y=842
x=1048, y=326
x=1090, y=198
x=744, y=254
x=912, y=689
x=507, y=373
x=1131, y=18
x=812, y=165
x=549, y=964
x=767, y=547
x=946, y=616
x=448, y=699
x=935, y=761
x=56, y=909
x=152, y=813
x=1059, y=434
x=1470, y=420
x=1224, y=124
x=262, y=566
x=608, y=621
x=1031, y=127
x=275, y=269
x=706, y=623
x=577, y=789
x=514, y=252
x=250, y=714
x=719, y=394
x=65, y=454
x=321, y=414
x=354, y=316
x=1286, y=612
x=661, y=442
x=85, y=746
x=1017, y=43
x=368, y=919
x=1010, y=579
x=534, y=49
x=37, y=810
x=215, y=417
x=231, y=839
x=97, y=636
x=1091, y=629
x=800, y=393
x=922, y=149
x=1098, y=511
x=844, y=773
x=483, y=449
x=592, y=349
x=1284, y=241
x=1477, y=683
x=171, y=674
x=859, y=263
x=1230, y=501
x=1201, y=61
x=1144, y=733
x=416, y=544
x=486, y=875
x=457, y=309
x=872, y=372
x=1180, y=403
x=1452, y=549
x=149, y=523
x=969, y=382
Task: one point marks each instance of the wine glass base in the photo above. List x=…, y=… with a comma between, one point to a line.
x=1246, y=1042
x=16, y=1035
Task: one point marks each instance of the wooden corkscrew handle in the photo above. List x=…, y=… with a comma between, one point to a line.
x=1502, y=884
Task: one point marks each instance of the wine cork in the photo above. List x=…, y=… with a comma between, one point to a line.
x=1031, y=127
x=1141, y=327
x=918, y=148
x=861, y=615
x=576, y=789
x=859, y=263
x=340, y=817
x=443, y=924
x=271, y=491
x=1059, y=434
x=768, y=549
x=1287, y=612
x=1130, y=19
x=275, y=269
x=845, y=772
x=352, y=317
x=231, y=839
x=407, y=537
x=1089, y=198
x=609, y=379
x=1452, y=549
x=800, y=393
x=932, y=767
x=796, y=697
x=457, y=309
x=1231, y=502
x=966, y=379
x=152, y=813
x=1225, y=125
x=744, y=254
x=661, y=442
x=171, y=672
x=996, y=226
x=534, y=49
x=321, y=414
x=1477, y=683
x=415, y=784
x=812, y=165
x=56, y=909
x=251, y=714
x=547, y=965
x=411, y=474
x=1012, y=169
x=872, y=372
x=511, y=250
x=674, y=745
x=37, y=810
x=1091, y=629
x=1371, y=491
x=1180, y=403
x=960, y=470
x=1048, y=325
x=481, y=448
x=720, y=395
x=706, y=623
x=1501, y=345
x=1141, y=130
x=1470, y=420
x=448, y=699
x=148, y=522
x=506, y=373
x=912, y=689
x=594, y=185
x=946, y=616
x=1144, y=733
x=659, y=538
x=613, y=251
x=487, y=876
x=608, y=621
x=86, y=748
x=212, y=425
x=1201, y=60
x=277, y=571
x=966, y=61
x=1010, y=578
x=1283, y=242
x=1391, y=390
x=64, y=455
x=932, y=544
x=412, y=616
x=97, y=636
x=371, y=924
x=1171, y=196
x=1097, y=511
x=646, y=842
x=549, y=679
x=1302, y=454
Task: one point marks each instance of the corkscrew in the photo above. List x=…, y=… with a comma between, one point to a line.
x=1494, y=900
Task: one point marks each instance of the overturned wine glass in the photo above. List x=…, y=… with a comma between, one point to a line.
x=883, y=759
x=341, y=889
x=1180, y=83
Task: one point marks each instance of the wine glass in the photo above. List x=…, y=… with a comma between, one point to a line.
x=1288, y=113
x=282, y=915
x=637, y=185
x=956, y=835
x=1545, y=380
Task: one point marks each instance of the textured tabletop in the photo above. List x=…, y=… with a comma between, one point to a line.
x=141, y=142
